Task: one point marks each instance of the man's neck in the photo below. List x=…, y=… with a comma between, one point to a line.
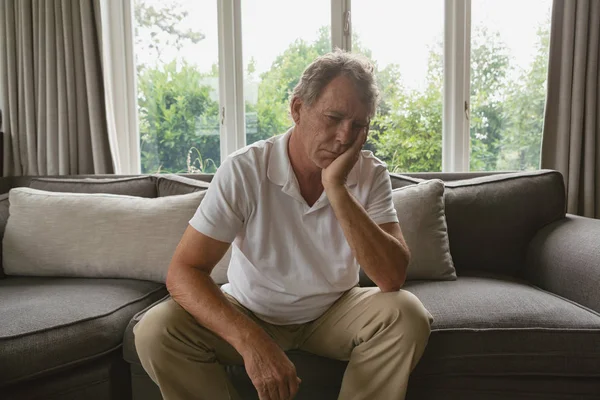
x=307, y=173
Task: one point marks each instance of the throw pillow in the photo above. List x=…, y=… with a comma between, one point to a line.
x=94, y=235
x=421, y=213
x=141, y=186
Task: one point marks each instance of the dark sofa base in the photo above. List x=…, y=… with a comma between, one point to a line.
x=503, y=387
x=144, y=389
x=433, y=388
x=142, y=386
x=104, y=378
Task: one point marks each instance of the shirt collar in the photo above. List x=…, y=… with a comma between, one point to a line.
x=279, y=170
x=279, y=162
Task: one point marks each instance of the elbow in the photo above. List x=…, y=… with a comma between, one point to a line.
x=397, y=279
x=405, y=257
x=170, y=281
x=392, y=285
x=392, y=288
x=174, y=279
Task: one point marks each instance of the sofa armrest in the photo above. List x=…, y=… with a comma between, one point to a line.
x=564, y=258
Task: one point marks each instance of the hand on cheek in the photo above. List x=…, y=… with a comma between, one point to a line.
x=337, y=172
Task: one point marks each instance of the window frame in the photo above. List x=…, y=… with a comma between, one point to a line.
x=456, y=141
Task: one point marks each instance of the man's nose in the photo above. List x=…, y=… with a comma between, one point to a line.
x=345, y=132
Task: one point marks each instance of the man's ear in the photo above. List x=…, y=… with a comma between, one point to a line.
x=295, y=108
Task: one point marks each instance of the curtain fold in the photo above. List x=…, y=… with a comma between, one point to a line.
x=571, y=138
x=118, y=66
x=52, y=89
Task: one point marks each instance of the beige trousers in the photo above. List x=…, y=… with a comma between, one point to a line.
x=382, y=335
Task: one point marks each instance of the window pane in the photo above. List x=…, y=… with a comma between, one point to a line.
x=509, y=57
x=405, y=40
x=176, y=47
x=277, y=46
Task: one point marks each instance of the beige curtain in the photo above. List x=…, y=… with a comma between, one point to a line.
x=571, y=139
x=51, y=89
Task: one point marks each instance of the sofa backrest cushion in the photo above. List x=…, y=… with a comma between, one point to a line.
x=94, y=235
x=140, y=186
x=492, y=219
x=171, y=184
x=399, y=181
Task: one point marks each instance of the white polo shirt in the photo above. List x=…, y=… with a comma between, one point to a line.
x=290, y=262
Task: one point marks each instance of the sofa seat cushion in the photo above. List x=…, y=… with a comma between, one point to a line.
x=49, y=324
x=486, y=324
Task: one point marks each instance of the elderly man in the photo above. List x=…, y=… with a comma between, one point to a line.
x=304, y=210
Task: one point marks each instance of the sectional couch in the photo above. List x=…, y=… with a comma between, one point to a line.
x=518, y=317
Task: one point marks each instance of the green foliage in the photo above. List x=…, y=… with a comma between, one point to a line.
x=406, y=133
x=179, y=123
x=196, y=164
x=276, y=85
x=489, y=69
x=161, y=26
x=176, y=114
x=526, y=97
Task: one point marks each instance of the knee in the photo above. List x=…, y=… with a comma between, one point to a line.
x=407, y=314
x=151, y=333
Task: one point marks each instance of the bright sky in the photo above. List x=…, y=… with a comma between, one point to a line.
x=397, y=31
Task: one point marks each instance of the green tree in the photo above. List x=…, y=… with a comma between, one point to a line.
x=407, y=130
x=490, y=66
x=158, y=28
x=277, y=83
x=176, y=116
x=521, y=144
x=179, y=110
x=179, y=127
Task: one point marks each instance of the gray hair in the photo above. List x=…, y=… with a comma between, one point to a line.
x=331, y=65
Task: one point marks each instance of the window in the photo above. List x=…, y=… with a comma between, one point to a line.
x=176, y=46
x=509, y=57
x=462, y=81
x=276, y=49
x=406, y=44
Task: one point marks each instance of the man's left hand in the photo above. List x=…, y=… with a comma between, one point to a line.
x=336, y=173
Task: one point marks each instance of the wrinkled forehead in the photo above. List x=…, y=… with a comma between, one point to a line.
x=342, y=96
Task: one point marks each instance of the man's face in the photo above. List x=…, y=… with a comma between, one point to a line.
x=331, y=124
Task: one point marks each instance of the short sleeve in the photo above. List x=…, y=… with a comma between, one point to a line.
x=380, y=206
x=220, y=214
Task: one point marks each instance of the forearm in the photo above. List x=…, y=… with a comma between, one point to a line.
x=196, y=292
x=383, y=257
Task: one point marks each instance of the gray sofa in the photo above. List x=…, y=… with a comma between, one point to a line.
x=522, y=321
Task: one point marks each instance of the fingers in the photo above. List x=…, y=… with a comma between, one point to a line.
x=274, y=376
x=269, y=392
x=360, y=141
x=294, y=386
x=284, y=389
x=362, y=137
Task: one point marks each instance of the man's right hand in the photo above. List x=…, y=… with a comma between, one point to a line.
x=271, y=371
